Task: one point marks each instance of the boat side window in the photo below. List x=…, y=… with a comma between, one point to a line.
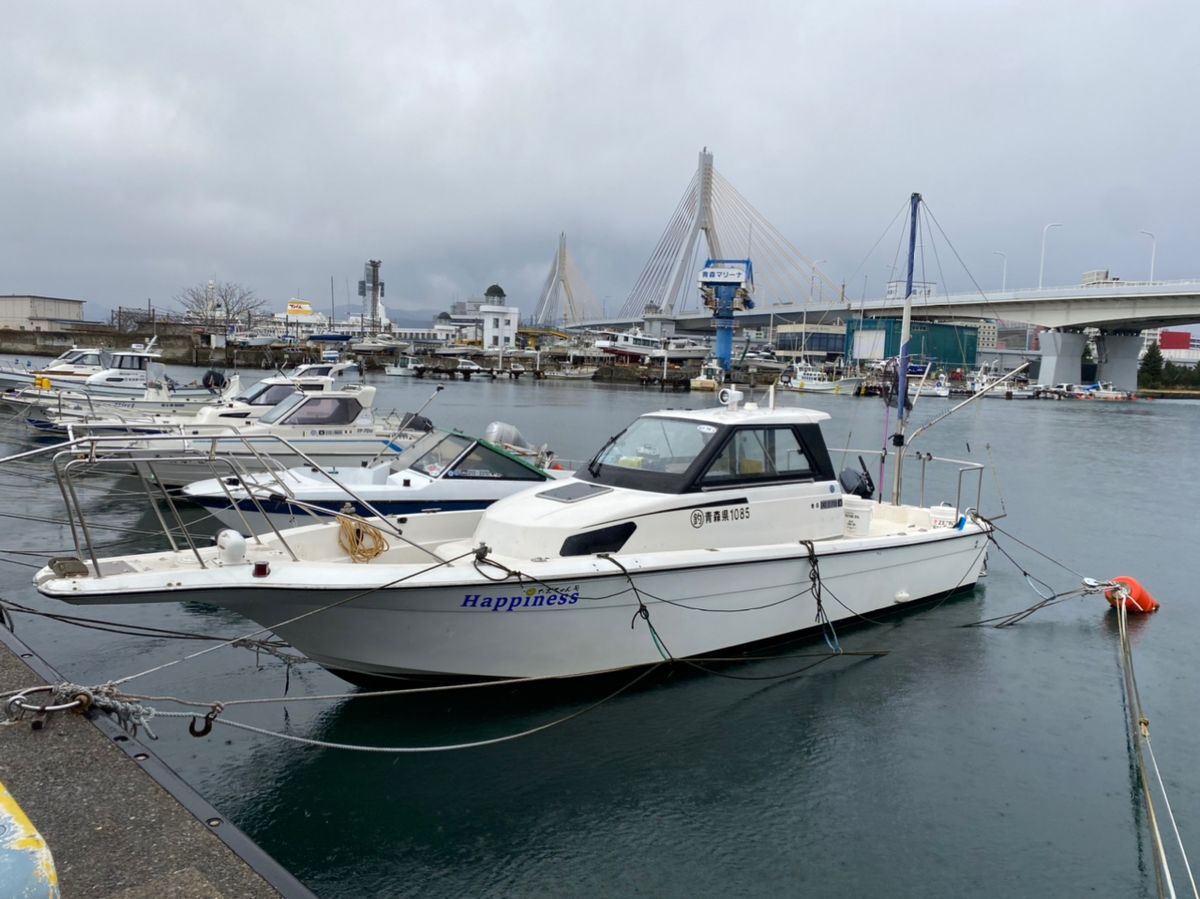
x=326, y=411
x=131, y=363
x=484, y=462
x=759, y=454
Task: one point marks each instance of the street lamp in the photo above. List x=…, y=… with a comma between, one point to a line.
x=1004, y=271
x=1153, y=248
x=1042, y=265
x=811, y=287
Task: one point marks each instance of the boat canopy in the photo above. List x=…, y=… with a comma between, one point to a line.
x=666, y=454
x=311, y=409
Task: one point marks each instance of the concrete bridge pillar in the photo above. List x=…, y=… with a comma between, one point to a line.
x=1117, y=358
x=1062, y=353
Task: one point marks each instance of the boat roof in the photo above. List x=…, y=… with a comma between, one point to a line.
x=746, y=414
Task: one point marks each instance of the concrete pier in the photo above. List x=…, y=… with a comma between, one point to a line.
x=119, y=822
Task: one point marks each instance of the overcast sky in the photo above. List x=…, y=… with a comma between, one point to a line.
x=152, y=146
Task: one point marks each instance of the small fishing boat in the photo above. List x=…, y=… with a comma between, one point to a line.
x=569, y=372
x=708, y=529
x=804, y=379
x=711, y=376
x=939, y=387
x=442, y=471
x=403, y=367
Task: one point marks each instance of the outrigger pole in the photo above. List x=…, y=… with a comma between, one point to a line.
x=905, y=337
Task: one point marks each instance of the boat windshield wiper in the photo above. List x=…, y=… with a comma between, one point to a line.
x=593, y=465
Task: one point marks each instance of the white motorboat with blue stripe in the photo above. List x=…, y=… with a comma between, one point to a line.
x=442, y=471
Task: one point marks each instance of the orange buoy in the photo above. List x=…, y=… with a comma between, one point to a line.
x=1134, y=596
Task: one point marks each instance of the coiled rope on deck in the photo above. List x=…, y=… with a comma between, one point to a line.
x=361, y=541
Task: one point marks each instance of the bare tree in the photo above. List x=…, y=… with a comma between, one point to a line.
x=219, y=301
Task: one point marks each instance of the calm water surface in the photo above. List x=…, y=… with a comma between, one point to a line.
x=966, y=761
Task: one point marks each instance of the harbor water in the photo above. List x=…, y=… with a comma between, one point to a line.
x=959, y=761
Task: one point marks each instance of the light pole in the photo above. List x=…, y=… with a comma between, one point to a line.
x=1004, y=271
x=1042, y=265
x=1153, y=248
x=812, y=283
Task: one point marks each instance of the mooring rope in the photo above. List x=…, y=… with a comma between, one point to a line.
x=1140, y=726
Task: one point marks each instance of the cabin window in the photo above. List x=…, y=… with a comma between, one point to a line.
x=484, y=462
x=753, y=454
x=326, y=411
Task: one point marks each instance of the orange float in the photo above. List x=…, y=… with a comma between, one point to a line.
x=1133, y=595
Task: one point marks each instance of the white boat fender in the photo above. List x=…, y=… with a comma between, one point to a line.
x=231, y=547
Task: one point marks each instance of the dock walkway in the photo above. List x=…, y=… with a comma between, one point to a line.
x=120, y=823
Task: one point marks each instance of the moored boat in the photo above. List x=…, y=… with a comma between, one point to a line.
x=699, y=526
x=442, y=471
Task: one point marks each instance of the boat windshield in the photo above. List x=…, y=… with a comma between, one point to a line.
x=286, y=405
x=266, y=394
x=658, y=444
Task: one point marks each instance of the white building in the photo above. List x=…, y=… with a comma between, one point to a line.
x=31, y=313
x=499, y=326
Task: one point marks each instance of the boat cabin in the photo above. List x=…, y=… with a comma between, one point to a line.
x=319, y=410
x=682, y=480
x=700, y=451
x=75, y=361
x=124, y=367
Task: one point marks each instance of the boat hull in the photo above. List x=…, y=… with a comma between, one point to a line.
x=565, y=616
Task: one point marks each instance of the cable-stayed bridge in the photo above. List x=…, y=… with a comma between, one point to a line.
x=714, y=221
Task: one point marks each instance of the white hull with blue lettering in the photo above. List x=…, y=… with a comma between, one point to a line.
x=690, y=533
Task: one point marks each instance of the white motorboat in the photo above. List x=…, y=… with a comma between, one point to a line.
x=68, y=369
x=707, y=530
x=110, y=415
x=637, y=346
x=333, y=428
x=811, y=380
x=570, y=372
x=711, y=376
x=1101, y=390
x=105, y=372
x=938, y=387
x=442, y=471
x=379, y=343
x=55, y=410
x=403, y=367
x=987, y=379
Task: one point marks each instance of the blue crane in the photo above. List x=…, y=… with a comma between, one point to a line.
x=725, y=287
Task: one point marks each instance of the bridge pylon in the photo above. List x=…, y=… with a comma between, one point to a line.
x=565, y=298
x=711, y=208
